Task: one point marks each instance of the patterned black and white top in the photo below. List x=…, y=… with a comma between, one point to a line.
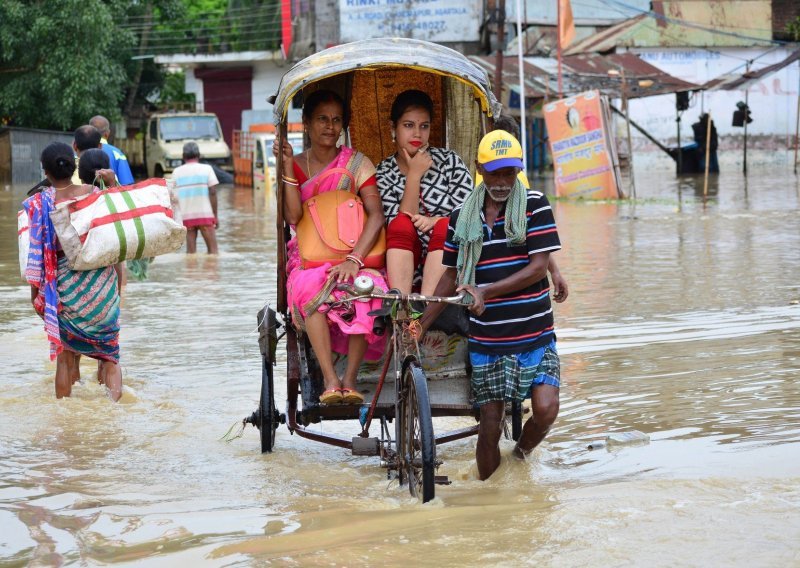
x=444, y=186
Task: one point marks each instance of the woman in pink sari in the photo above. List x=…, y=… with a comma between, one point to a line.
x=343, y=329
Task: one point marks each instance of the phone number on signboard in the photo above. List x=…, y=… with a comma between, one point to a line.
x=435, y=26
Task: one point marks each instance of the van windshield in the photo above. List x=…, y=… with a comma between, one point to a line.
x=189, y=127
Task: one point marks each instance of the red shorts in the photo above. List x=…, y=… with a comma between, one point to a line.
x=402, y=234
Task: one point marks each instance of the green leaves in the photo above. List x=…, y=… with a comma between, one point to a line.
x=60, y=62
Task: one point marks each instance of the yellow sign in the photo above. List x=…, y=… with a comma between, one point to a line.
x=579, y=143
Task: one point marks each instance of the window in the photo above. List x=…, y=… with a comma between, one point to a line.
x=189, y=128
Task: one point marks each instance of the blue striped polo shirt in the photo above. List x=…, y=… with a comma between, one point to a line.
x=521, y=320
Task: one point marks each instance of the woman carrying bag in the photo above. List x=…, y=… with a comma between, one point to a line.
x=80, y=308
x=322, y=168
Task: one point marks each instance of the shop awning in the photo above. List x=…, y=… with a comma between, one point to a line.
x=737, y=81
x=587, y=71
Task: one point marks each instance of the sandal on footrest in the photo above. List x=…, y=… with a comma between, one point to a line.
x=331, y=396
x=352, y=396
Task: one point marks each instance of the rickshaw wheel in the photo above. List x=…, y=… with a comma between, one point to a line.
x=268, y=414
x=416, y=447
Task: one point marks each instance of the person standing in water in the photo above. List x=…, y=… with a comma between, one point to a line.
x=80, y=309
x=497, y=249
x=195, y=184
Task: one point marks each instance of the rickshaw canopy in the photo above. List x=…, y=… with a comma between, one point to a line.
x=383, y=53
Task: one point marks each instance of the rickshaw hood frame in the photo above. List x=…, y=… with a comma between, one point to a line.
x=371, y=54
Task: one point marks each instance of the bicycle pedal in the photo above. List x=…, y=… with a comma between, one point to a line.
x=442, y=480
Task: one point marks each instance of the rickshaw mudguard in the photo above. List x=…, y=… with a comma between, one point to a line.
x=268, y=326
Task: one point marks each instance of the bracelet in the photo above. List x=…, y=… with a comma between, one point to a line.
x=288, y=181
x=355, y=259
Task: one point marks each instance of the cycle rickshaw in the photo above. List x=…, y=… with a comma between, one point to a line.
x=415, y=382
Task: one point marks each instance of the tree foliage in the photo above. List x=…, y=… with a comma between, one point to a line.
x=793, y=28
x=57, y=62
x=63, y=61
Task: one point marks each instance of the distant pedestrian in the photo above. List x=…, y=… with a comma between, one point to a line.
x=195, y=184
x=700, y=129
x=87, y=137
x=119, y=162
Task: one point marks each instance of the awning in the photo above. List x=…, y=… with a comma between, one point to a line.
x=591, y=71
x=535, y=79
x=585, y=72
x=737, y=81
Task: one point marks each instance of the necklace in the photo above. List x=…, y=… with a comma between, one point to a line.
x=308, y=164
x=65, y=187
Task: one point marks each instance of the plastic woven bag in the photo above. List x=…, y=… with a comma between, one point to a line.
x=121, y=223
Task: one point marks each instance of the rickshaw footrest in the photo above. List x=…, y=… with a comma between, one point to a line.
x=441, y=480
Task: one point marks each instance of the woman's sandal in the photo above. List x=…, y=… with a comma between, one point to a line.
x=331, y=396
x=352, y=396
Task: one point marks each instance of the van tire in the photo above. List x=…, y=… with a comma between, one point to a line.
x=158, y=171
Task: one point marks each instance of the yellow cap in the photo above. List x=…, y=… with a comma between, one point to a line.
x=499, y=149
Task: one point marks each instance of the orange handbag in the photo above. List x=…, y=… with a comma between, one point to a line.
x=331, y=225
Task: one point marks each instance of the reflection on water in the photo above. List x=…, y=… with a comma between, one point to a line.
x=683, y=321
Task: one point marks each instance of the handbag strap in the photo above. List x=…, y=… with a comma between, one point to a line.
x=314, y=212
x=343, y=171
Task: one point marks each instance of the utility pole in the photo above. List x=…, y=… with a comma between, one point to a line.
x=797, y=130
x=708, y=154
x=628, y=127
x=747, y=107
x=558, y=47
x=501, y=38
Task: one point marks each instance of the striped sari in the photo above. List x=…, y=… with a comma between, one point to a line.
x=88, y=320
x=80, y=308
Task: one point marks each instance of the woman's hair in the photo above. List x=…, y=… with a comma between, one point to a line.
x=408, y=100
x=58, y=160
x=324, y=96
x=91, y=161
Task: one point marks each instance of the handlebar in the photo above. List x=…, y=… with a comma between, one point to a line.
x=461, y=298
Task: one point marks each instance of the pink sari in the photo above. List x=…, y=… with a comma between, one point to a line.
x=309, y=289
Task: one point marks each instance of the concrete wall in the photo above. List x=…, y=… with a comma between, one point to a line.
x=21, y=149
x=773, y=103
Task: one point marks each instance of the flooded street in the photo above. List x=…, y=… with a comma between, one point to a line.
x=682, y=321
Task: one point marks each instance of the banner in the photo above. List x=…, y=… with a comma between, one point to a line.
x=431, y=20
x=581, y=147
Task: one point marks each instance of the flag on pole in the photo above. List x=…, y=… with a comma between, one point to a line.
x=566, y=25
x=286, y=28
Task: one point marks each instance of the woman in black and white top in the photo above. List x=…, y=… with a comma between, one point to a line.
x=420, y=186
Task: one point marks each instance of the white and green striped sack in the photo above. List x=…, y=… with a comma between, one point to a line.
x=120, y=223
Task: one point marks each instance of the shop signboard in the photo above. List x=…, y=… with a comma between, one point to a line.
x=431, y=20
x=580, y=144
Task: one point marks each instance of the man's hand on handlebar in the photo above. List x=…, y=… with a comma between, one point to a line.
x=477, y=307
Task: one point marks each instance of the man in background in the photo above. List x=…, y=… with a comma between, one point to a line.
x=195, y=184
x=119, y=162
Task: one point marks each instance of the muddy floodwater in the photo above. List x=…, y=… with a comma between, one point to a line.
x=682, y=322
